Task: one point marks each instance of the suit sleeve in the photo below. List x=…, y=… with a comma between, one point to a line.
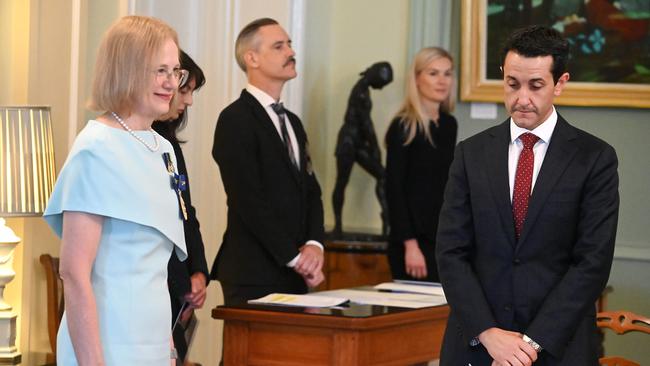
x=315, y=215
x=565, y=306
x=401, y=227
x=235, y=150
x=455, y=248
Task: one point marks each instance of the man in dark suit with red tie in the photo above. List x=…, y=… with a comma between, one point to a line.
x=274, y=233
x=527, y=229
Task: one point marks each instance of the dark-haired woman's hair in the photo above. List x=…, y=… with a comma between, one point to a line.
x=168, y=129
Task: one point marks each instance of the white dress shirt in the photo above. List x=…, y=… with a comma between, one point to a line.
x=544, y=132
x=266, y=101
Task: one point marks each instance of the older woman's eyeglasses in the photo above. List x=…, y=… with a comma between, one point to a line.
x=178, y=75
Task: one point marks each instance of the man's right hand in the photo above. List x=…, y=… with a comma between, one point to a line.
x=314, y=279
x=310, y=261
x=507, y=348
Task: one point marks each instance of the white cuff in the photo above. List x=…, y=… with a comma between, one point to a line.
x=293, y=262
x=315, y=243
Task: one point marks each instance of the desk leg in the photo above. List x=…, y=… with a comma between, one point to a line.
x=235, y=345
x=345, y=350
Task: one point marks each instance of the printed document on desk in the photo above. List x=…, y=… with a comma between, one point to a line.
x=411, y=288
x=307, y=301
x=401, y=300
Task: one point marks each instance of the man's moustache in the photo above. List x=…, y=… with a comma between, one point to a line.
x=290, y=60
x=520, y=109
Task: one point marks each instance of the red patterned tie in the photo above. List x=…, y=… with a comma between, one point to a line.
x=523, y=181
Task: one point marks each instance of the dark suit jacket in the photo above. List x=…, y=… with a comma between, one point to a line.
x=416, y=175
x=273, y=208
x=179, y=273
x=545, y=285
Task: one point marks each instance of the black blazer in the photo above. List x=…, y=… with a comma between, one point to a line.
x=273, y=208
x=416, y=175
x=545, y=285
x=179, y=273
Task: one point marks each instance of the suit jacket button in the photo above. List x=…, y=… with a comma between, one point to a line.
x=516, y=261
x=507, y=308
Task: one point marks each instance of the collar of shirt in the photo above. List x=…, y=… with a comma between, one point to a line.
x=543, y=131
x=261, y=96
x=266, y=100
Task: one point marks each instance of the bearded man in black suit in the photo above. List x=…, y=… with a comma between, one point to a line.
x=274, y=233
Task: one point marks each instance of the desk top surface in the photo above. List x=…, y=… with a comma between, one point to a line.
x=350, y=314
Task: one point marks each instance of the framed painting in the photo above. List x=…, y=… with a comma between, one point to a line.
x=610, y=48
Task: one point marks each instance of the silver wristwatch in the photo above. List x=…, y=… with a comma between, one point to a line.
x=532, y=343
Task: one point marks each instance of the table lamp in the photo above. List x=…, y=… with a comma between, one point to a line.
x=27, y=174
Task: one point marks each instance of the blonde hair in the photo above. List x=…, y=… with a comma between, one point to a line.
x=246, y=39
x=411, y=114
x=123, y=61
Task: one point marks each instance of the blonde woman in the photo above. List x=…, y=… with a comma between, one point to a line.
x=420, y=147
x=118, y=216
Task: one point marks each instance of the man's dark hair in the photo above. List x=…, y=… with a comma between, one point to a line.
x=245, y=38
x=539, y=40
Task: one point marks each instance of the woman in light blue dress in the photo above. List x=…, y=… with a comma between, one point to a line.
x=116, y=206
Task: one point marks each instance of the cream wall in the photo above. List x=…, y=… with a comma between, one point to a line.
x=35, y=72
x=342, y=39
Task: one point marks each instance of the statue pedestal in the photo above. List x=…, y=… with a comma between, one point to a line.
x=354, y=260
x=9, y=354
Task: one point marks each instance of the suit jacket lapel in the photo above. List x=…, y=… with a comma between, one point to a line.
x=300, y=139
x=560, y=152
x=269, y=129
x=497, y=172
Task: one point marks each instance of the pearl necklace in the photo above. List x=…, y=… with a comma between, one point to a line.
x=129, y=130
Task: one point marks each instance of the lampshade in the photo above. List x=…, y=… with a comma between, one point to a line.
x=27, y=170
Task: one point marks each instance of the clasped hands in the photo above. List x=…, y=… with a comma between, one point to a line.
x=507, y=348
x=310, y=265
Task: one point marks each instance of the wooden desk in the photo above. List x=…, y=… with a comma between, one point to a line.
x=358, y=335
x=351, y=263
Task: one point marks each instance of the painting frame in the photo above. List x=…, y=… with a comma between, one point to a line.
x=475, y=87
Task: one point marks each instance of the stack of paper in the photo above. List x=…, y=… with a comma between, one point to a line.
x=307, y=301
x=429, y=289
x=402, y=300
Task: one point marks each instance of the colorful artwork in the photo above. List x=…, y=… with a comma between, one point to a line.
x=610, y=40
x=610, y=48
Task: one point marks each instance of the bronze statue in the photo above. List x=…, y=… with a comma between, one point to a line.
x=357, y=142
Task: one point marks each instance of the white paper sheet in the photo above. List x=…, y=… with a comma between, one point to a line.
x=411, y=288
x=402, y=300
x=307, y=301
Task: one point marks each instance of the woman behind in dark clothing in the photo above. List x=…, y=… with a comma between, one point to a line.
x=420, y=146
x=187, y=280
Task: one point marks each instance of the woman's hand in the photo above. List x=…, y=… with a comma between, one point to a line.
x=197, y=296
x=415, y=264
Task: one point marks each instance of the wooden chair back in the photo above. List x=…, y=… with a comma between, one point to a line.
x=55, y=302
x=621, y=322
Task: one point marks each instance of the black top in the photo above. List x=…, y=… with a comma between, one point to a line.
x=179, y=273
x=416, y=175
